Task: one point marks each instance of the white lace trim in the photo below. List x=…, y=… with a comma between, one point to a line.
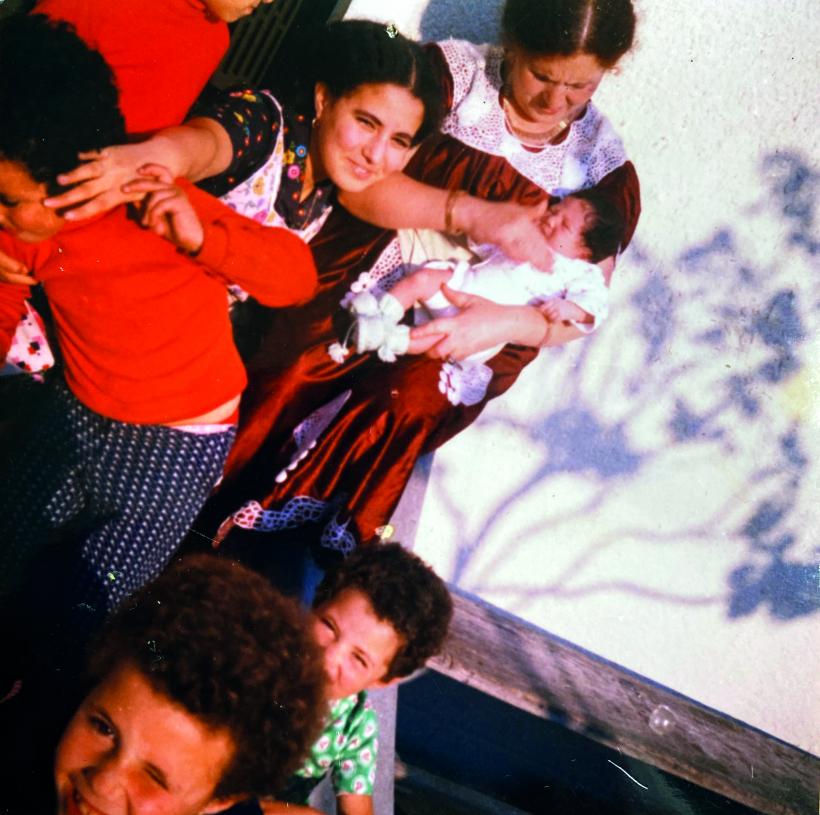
x=336, y=536
x=591, y=150
x=307, y=432
x=464, y=383
x=381, y=277
x=298, y=511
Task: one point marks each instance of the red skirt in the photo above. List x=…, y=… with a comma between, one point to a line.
x=355, y=473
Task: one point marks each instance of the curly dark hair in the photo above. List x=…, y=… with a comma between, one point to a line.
x=352, y=53
x=217, y=639
x=57, y=95
x=605, y=29
x=404, y=591
x=604, y=235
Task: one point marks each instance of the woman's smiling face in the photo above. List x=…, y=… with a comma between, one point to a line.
x=364, y=136
x=130, y=750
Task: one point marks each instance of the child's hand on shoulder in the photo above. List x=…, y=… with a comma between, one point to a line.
x=167, y=211
x=13, y=271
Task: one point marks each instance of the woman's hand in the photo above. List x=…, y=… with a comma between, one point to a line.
x=514, y=228
x=480, y=324
x=97, y=183
x=12, y=271
x=167, y=210
x=100, y=182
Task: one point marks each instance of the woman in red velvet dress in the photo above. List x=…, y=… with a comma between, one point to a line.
x=520, y=128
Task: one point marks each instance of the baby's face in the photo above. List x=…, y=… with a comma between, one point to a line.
x=564, y=225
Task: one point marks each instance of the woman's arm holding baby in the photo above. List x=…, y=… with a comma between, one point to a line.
x=401, y=202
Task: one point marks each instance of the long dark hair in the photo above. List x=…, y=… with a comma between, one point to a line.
x=352, y=53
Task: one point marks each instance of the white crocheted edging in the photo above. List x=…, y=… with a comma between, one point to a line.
x=591, y=150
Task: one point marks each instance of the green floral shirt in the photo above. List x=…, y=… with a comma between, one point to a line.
x=347, y=747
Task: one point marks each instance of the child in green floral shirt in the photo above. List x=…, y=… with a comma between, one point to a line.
x=378, y=617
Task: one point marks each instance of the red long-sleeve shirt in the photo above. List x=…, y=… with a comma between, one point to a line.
x=162, y=53
x=143, y=328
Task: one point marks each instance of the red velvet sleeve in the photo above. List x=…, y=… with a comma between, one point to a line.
x=442, y=71
x=273, y=265
x=623, y=186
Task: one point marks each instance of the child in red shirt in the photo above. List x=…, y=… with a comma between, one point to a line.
x=162, y=57
x=124, y=451
x=161, y=62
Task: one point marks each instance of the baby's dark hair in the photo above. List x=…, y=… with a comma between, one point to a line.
x=604, y=234
x=218, y=640
x=605, y=29
x=57, y=95
x=404, y=591
x=352, y=53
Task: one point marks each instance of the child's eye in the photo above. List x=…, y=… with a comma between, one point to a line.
x=402, y=142
x=366, y=122
x=101, y=726
x=360, y=660
x=7, y=202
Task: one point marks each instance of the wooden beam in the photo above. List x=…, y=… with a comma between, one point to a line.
x=524, y=666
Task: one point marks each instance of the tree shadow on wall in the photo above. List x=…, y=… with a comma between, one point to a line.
x=720, y=339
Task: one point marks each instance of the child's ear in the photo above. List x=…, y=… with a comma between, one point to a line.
x=387, y=683
x=397, y=680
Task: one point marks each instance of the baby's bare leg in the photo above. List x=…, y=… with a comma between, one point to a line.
x=420, y=285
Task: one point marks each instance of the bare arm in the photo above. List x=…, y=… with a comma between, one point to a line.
x=482, y=324
x=560, y=333
x=559, y=310
x=400, y=202
x=354, y=804
x=198, y=149
x=420, y=285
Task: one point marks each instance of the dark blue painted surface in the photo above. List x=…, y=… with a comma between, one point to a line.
x=470, y=738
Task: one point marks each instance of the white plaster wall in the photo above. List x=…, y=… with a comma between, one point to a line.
x=649, y=493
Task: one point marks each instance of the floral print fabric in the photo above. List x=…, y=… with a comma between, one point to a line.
x=347, y=748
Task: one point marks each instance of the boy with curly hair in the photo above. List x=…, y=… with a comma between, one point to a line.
x=205, y=689
x=378, y=617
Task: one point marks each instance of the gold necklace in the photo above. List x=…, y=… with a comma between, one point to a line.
x=530, y=138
